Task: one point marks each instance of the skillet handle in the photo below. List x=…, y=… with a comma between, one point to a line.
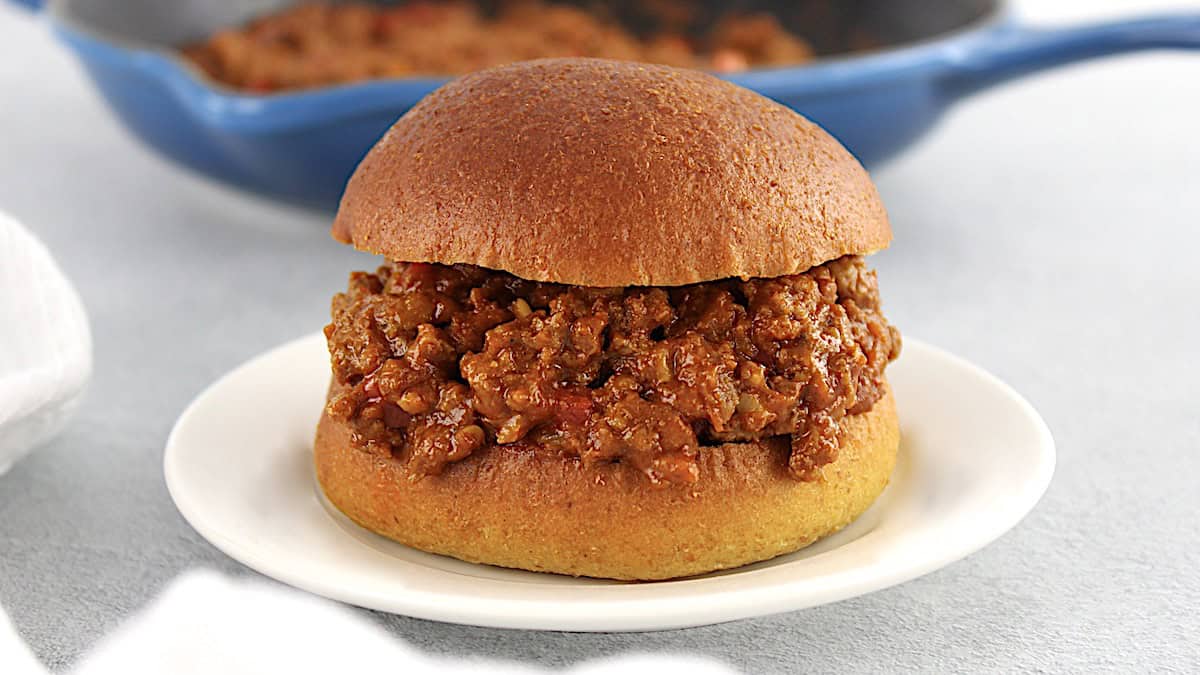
x=1019, y=50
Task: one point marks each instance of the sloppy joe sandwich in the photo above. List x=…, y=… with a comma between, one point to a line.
x=623, y=327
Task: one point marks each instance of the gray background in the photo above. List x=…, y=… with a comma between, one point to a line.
x=1046, y=231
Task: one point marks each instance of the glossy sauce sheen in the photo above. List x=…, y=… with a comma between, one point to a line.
x=439, y=362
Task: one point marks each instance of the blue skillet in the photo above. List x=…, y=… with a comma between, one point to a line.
x=302, y=146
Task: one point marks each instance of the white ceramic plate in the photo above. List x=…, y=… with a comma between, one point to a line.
x=974, y=459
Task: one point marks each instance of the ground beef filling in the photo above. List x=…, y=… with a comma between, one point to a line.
x=314, y=44
x=437, y=362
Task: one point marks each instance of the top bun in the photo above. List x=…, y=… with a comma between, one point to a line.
x=607, y=173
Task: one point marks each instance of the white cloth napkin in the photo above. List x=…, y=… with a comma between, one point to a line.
x=15, y=657
x=45, y=345
x=204, y=623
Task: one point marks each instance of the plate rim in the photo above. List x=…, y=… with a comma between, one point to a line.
x=620, y=614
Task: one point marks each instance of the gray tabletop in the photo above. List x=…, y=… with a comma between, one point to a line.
x=1046, y=231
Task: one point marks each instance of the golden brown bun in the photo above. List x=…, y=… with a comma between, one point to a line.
x=544, y=513
x=610, y=173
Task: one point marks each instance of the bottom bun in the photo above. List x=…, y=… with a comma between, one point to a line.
x=537, y=511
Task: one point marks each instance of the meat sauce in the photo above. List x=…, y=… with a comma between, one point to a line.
x=320, y=43
x=438, y=362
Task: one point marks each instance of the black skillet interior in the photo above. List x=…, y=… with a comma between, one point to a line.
x=832, y=27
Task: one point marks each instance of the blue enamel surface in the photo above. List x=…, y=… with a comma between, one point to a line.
x=303, y=146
